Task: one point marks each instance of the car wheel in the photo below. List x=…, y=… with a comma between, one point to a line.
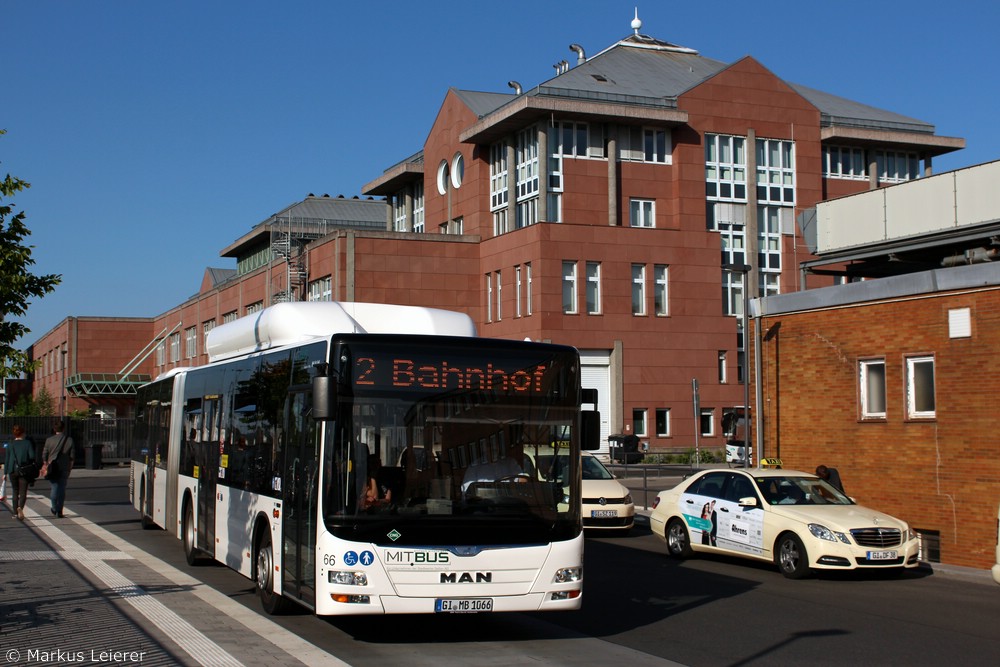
x=678, y=539
x=272, y=602
x=790, y=556
x=191, y=553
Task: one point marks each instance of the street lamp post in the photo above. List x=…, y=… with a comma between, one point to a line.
x=63, y=393
x=744, y=271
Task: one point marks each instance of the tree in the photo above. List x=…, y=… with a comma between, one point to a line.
x=17, y=284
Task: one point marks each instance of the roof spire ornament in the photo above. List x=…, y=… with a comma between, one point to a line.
x=636, y=23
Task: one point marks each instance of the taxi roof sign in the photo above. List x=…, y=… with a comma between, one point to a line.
x=770, y=463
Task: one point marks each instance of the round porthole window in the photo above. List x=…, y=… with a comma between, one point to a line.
x=457, y=170
x=443, y=177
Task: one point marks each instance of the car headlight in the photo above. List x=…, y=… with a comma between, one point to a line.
x=824, y=533
x=628, y=499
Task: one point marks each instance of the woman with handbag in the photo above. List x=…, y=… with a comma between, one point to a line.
x=58, y=461
x=20, y=459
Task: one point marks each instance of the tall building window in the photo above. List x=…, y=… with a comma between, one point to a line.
x=593, y=288
x=554, y=196
x=399, y=212
x=644, y=144
x=206, y=326
x=418, y=207
x=723, y=376
x=872, y=393
x=528, y=304
x=663, y=422
x=489, y=297
x=660, y=287
x=320, y=290
x=499, y=187
x=639, y=421
x=161, y=353
x=725, y=168
x=896, y=167
x=638, y=289
x=569, y=288
x=920, y=402
x=175, y=347
x=255, y=307
x=527, y=164
x=499, y=294
x=570, y=139
x=844, y=162
x=642, y=213
x=231, y=316
x=191, y=342
x=775, y=172
x=518, y=288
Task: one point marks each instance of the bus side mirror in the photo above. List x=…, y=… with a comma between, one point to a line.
x=324, y=397
x=590, y=430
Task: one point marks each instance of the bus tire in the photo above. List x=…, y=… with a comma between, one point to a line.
x=273, y=603
x=145, y=520
x=188, y=534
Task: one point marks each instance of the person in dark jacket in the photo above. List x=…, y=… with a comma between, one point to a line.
x=58, y=451
x=830, y=475
x=19, y=452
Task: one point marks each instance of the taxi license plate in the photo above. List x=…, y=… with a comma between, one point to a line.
x=463, y=605
x=882, y=555
x=603, y=514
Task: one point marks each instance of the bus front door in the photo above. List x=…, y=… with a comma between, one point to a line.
x=299, y=527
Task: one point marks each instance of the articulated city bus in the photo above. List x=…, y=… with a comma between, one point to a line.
x=354, y=469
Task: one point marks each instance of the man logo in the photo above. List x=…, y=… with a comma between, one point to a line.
x=466, y=577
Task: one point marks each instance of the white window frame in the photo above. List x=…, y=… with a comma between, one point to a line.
x=920, y=405
x=175, y=347
x=593, y=290
x=569, y=292
x=639, y=290
x=709, y=414
x=499, y=295
x=776, y=172
x=418, y=207
x=661, y=290
x=518, y=287
x=489, y=297
x=725, y=168
x=320, y=290
x=528, y=302
x=191, y=342
x=665, y=431
x=642, y=213
x=640, y=422
x=206, y=327
x=872, y=388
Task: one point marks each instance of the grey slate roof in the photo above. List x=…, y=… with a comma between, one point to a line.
x=334, y=209
x=482, y=103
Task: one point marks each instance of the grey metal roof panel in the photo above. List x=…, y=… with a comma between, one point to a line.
x=334, y=208
x=482, y=103
x=644, y=72
x=842, y=111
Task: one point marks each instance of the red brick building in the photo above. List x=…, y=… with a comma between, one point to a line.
x=595, y=209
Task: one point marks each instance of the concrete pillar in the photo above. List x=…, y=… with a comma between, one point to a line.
x=543, y=173
x=872, y=170
x=408, y=208
x=752, y=224
x=612, y=175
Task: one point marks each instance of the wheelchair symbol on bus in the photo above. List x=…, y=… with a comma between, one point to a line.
x=350, y=559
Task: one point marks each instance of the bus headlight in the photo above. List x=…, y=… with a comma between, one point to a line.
x=568, y=574
x=345, y=578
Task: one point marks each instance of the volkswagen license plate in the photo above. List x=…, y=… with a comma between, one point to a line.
x=603, y=514
x=882, y=555
x=463, y=605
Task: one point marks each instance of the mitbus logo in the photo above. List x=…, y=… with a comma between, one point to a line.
x=418, y=557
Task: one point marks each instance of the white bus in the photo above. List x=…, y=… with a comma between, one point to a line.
x=354, y=469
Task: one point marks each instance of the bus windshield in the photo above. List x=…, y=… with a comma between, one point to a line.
x=438, y=451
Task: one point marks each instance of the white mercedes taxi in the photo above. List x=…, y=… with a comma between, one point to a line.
x=793, y=519
x=607, y=503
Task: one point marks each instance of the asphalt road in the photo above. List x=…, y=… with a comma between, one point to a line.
x=643, y=608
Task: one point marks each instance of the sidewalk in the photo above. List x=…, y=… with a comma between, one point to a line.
x=71, y=591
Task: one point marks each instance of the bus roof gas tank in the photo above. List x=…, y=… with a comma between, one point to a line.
x=299, y=322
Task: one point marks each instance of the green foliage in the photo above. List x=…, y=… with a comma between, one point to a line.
x=41, y=406
x=17, y=284
x=686, y=458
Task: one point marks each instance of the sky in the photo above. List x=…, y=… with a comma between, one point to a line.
x=156, y=133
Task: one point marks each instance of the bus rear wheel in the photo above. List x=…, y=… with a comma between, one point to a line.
x=272, y=602
x=145, y=520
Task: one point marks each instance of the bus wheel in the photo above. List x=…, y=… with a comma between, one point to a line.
x=145, y=520
x=272, y=602
x=191, y=553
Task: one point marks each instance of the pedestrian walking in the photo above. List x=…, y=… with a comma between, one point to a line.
x=58, y=457
x=20, y=458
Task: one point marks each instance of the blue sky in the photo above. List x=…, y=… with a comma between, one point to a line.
x=156, y=133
